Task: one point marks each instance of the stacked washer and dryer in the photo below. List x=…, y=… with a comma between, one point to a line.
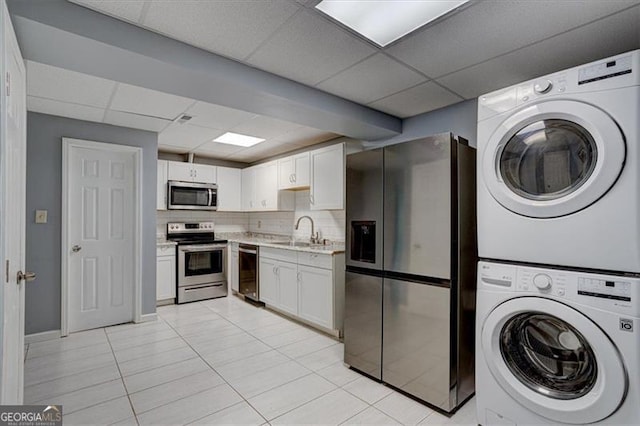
x=558, y=298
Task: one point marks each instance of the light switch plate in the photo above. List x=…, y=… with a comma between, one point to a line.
x=41, y=216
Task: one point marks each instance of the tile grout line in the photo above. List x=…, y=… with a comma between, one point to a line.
x=124, y=385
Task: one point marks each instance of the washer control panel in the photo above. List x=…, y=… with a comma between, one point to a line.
x=612, y=292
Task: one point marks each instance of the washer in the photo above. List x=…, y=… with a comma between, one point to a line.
x=556, y=347
x=559, y=168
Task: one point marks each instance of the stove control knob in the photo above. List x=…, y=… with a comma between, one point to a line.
x=542, y=281
x=542, y=86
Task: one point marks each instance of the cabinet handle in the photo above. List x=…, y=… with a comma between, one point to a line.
x=299, y=277
x=294, y=177
x=290, y=178
x=311, y=199
x=274, y=270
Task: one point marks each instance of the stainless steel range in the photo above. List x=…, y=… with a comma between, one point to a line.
x=202, y=261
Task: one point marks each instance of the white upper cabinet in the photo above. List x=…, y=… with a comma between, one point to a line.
x=260, y=189
x=327, y=178
x=293, y=171
x=162, y=185
x=229, y=189
x=248, y=189
x=191, y=172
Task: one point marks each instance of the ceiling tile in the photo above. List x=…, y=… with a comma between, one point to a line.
x=309, y=49
x=148, y=102
x=425, y=97
x=45, y=81
x=216, y=116
x=264, y=127
x=64, y=109
x=135, y=121
x=187, y=135
x=371, y=79
x=129, y=10
x=491, y=28
x=610, y=36
x=231, y=28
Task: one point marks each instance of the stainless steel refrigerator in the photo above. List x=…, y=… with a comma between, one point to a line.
x=411, y=264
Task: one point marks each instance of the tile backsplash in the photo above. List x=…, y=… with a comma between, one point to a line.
x=329, y=223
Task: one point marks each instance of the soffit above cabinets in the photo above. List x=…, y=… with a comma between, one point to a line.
x=483, y=46
x=57, y=91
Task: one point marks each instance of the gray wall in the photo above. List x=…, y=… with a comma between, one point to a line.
x=44, y=192
x=460, y=119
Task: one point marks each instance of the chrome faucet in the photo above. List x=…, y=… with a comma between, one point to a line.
x=315, y=238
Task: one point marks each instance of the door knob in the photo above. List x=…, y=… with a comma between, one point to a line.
x=76, y=248
x=25, y=276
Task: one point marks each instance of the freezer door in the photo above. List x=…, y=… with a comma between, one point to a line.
x=363, y=323
x=417, y=207
x=416, y=350
x=364, y=209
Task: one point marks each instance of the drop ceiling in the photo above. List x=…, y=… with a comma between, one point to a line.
x=483, y=46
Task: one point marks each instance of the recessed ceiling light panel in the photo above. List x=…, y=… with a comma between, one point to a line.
x=384, y=21
x=238, y=139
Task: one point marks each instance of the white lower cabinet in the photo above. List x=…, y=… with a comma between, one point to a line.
x=165, y=273
x=309, y=286
x=315, y=295
x=268, y=281
x=288, y=287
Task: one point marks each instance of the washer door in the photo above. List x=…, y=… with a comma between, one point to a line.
x=553, y=158
x=553, y=360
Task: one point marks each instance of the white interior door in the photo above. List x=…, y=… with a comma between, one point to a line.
x=100, y=234
x=12, y=232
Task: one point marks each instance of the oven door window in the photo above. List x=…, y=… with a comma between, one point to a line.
x=203, y=263
x=185, y=196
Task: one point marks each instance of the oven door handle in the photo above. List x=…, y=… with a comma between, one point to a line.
x=201, y=248
x=186, y=290
x=248, y=251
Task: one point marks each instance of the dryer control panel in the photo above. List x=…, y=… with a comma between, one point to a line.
x=616, y=293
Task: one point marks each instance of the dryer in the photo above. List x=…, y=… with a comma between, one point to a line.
x=559, y=168
x=556, y=347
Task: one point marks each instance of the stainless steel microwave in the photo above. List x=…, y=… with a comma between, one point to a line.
x=192, y=196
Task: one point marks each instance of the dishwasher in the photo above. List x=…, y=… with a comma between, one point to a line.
x=248, y=279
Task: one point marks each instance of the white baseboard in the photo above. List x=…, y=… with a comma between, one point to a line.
x=148, y=317
x=42, y=337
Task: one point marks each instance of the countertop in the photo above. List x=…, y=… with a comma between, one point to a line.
x=265, y=240
x=271, y=241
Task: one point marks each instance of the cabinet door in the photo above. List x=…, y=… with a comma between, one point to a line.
x=286, y=172
x=327, y=178
x=204, y=173
x=267, y=186
x=248, y=189
x=161, y=200
x=180, y=171
x=302, y=168
x=234, y=277
x=229, y=189
x=166, y=277
x=315, y=295
x=268, y=284
x=288, y=287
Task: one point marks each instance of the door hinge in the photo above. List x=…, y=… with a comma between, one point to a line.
x=8, y=84
x=7, y=270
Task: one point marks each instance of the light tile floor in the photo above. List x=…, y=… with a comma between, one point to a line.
x=220, y=361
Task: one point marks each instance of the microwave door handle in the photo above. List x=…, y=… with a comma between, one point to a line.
x=210, y=192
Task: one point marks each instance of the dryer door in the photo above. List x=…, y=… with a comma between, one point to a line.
x=553, y=158
x=553, y=360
